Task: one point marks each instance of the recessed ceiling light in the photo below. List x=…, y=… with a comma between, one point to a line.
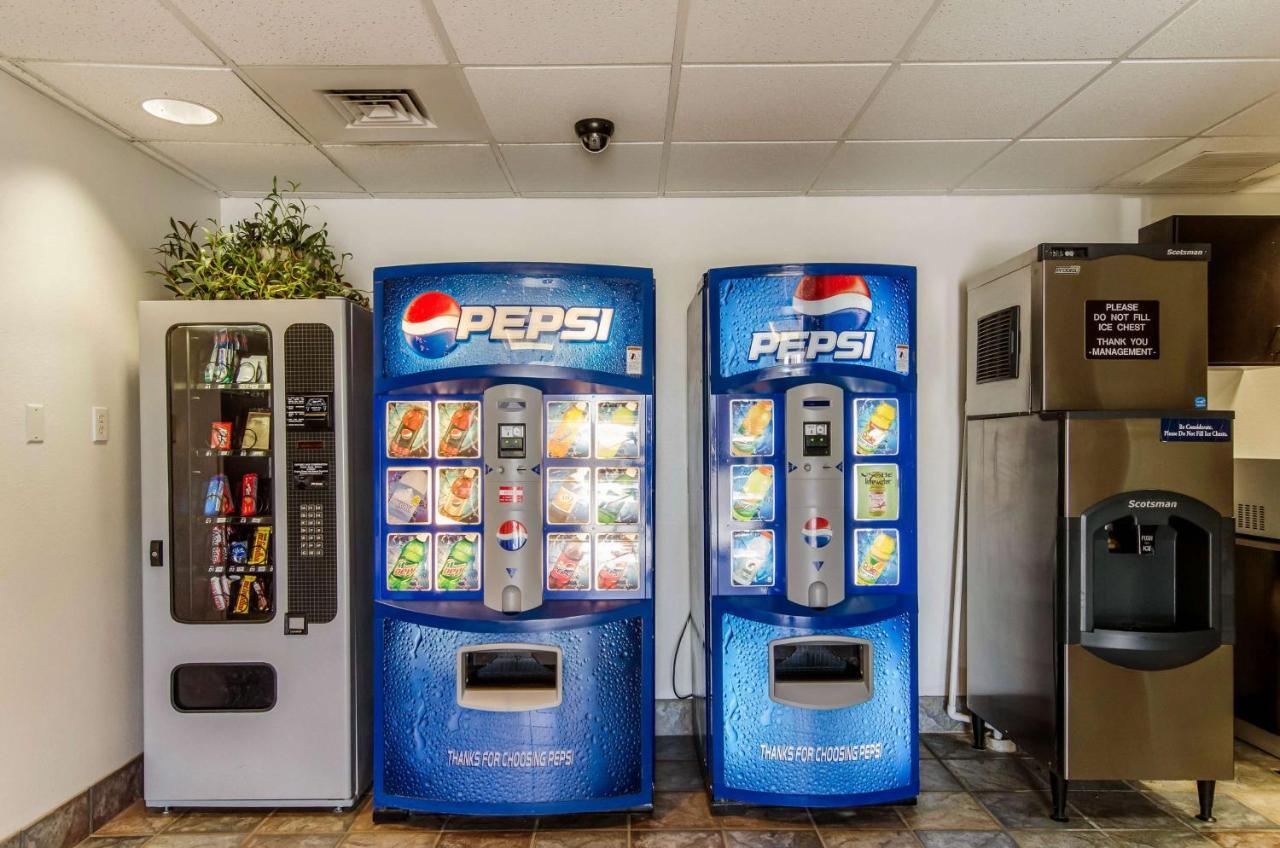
x=181, y=112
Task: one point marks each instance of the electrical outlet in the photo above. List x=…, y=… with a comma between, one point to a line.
x=35, y=422
x=101, y=421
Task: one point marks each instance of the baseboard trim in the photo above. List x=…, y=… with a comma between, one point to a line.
x=72, y=822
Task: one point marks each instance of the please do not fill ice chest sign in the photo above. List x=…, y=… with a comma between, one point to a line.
x=1122, y=329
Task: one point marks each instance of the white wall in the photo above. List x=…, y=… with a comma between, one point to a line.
x=948, y=238
x=78, y=211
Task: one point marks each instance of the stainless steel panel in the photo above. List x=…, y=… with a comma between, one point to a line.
x=1173, y=381
x=1014, y=288
x=1124, y=724
x=1012, y=519
x=815, y=491
x=1106, y=456
x=513, y=450
x=1257, y=497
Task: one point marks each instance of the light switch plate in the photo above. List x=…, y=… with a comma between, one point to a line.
x=35, y=422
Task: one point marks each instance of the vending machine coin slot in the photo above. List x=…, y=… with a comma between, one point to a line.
x=820, y=672
x=509, y=677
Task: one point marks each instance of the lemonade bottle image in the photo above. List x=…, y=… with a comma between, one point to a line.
x=877, y=428
x=453, y=572
x=752, y=427
x=407, y=496
x=565, y=436
x=747, y=502
x=617, y=434
x=877, y=558
x=407, y=565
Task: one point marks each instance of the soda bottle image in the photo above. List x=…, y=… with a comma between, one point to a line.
x=564, y=502
x=746, y=438
x=622, y=509
x=616, y=436
x=565, y=437
x=877, y=558
x=877, y=427
x=406, y=497
x=876, y=484
x=457, y=435
x=407, y=434
x=456, y=504
x=748, y=500
x=453, y=573
x=407, y=564
x=619, y=566
x=753, y=561
x=564, y=571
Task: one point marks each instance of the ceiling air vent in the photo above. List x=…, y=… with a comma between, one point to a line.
x=379, y=108
x=1227, y=169
x=998, y=346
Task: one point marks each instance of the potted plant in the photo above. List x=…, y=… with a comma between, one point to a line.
x=273, y=254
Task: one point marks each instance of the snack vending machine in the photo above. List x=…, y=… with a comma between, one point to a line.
x=802, y=447
x=255, y=584
x=514, y=590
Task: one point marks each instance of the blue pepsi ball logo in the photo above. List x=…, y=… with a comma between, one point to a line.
x=430, y=324
x=816, y=532
x=512, y=535
x=835, y=302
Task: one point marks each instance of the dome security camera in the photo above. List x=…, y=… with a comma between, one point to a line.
x=594, y=133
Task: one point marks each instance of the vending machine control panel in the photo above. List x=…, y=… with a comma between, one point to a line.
x=815, y=495
x=513, y=498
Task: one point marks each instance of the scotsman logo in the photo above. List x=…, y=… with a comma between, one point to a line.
x=1137, y=504
x=434, y=323
x=833, y=311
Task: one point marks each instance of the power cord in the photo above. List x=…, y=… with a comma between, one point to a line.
x=675, y=658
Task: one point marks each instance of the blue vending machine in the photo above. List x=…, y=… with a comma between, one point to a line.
x=802, y=447
x=513, y=593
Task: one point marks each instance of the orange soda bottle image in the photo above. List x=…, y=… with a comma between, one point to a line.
x=458, y=433
x=457, y=502
x=565, y=437
x=877, y=427
x=752, y=427
x=748, y=500
x=877, y=558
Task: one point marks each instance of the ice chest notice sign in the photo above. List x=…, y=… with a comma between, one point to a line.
x=1195, y=429
x=1122, y=329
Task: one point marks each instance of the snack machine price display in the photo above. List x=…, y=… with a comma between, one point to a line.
x=514, y=596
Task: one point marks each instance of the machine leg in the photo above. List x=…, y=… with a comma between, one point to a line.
x=1204, y=788
x=1058, y=794
x=390, y=816
x=978, y=728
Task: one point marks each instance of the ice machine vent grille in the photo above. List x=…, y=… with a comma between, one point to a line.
x=1251, y=517
x=998, y=346
x=378, y=109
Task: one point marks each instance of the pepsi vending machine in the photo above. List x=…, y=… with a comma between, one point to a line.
x=802, y=447
x=514, y=594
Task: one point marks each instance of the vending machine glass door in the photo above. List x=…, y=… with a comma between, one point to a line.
x=221, y=558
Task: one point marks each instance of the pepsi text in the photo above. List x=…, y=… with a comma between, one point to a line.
x=795, y=346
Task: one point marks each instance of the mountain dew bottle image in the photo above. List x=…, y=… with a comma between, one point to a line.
x=748, y=500
x=402, y=574
x=454, y=571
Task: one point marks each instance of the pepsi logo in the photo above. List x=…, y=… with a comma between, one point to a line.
x=816, y=532
x=512, y=535
x=835, y=302
x=430, y=324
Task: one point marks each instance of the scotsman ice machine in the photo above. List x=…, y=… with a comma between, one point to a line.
x=1100, y=521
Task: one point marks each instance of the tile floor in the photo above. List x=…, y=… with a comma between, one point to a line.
x=968, y=799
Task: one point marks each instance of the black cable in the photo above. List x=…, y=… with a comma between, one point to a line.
x=675, y=658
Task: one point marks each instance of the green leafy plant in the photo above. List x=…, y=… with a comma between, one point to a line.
x=273, y=254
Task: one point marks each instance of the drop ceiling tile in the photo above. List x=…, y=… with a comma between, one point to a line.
x=541, y=104
x=1260, y=119
x=1148, y=99
x=949, y=101
x=771, y=102
x=904, y=165
x=799, y=30
x=77, y=31
x=441, y=91
x=318, y=32
x=1016, y=29
x=1226, y=28
x=1066, y=164
x=567, y=168
x=559, y=32
x=745, y=166
x=251, y=167
x=115, y=93
x=422, y=168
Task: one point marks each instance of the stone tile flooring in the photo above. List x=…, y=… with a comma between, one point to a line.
x=968, y=799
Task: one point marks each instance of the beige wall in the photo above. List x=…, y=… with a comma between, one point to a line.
x=78, y=211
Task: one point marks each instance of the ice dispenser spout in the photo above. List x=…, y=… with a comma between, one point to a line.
x=512, y=424
x=815, y=495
